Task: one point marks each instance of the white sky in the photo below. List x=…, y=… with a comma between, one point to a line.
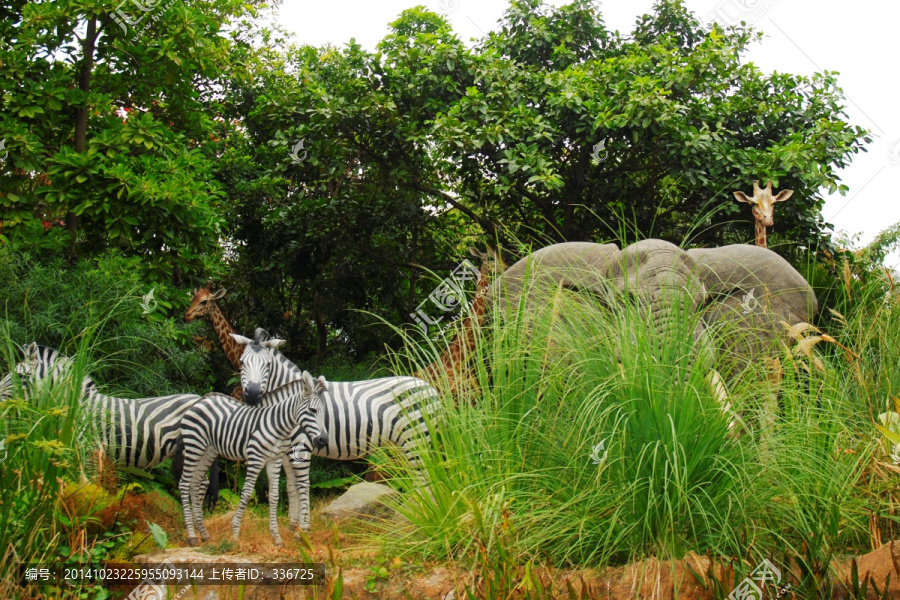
x=857, y=39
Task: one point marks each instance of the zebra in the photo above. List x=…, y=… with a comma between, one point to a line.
x=358, y=416
x=262, y=435
x=137, y=433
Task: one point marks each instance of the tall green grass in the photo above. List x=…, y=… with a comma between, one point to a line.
x=46, y=448
x=514, y=471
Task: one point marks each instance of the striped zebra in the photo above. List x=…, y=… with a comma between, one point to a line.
x=358, y=416
x=218, y=425
x=138, y=433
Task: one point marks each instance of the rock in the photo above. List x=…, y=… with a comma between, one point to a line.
x=361, y=500
x=182, y=557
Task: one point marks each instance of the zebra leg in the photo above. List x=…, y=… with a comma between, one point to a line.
x=300, y=473
x=293, y=505
x=410, y=450
x=273, y=470
x=254, y=466
x=184, y=486
x=198, y=487
x=211, y=487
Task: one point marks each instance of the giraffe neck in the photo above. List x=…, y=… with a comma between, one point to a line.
x=452, y=358
x=224, y=330
x=761, y=235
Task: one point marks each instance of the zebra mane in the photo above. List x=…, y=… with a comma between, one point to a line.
x=283, y=369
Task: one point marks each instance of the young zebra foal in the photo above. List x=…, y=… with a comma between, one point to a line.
x=218, y=425
x=358, y=416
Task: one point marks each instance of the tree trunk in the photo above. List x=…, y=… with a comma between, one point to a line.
x=411, y=296
x=321, y=330
x=81, y=116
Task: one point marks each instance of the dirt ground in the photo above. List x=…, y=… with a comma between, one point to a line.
x=366, y=574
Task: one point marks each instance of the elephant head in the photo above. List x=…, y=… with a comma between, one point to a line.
x=751, y=291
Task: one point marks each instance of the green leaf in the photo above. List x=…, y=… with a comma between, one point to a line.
x=892, y=437
x=159, y=535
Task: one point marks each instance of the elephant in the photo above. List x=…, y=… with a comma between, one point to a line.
x=741, y=288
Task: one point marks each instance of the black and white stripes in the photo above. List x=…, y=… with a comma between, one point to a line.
x=137, y=433
x=358, y=416
x=218, y=425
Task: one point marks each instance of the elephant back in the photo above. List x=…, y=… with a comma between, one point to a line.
x=573, y=265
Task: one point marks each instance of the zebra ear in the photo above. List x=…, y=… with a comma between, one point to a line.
x=306, y=381
x=321, y=384
x=30, y=351
x=243, y=341
x=273, y=343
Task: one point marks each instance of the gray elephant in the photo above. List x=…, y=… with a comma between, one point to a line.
x=654, y=271
x=740, y=288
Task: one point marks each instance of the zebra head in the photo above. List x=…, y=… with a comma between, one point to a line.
x=256, y=366
x=309, y=407
x=35, y=364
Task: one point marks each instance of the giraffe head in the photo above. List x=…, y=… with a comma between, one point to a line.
x=203, y=302
x=763, y=202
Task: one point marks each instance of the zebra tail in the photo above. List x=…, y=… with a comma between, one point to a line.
x=178, y=460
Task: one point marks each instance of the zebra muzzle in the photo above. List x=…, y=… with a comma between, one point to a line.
x=252, y=393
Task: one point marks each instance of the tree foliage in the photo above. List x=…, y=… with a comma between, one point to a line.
x=333, y=180
x=551, y=128
x=105, y=111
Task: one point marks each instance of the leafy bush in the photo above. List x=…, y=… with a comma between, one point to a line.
x=53, y=303
x=45, y=452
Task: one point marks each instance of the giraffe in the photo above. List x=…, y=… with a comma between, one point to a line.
x=763, y=207
x=204, y=305
x=452, y=361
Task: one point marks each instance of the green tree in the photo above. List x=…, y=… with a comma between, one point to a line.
x=552, y=128
x=570, y=127
x=338, y=226
x=106, y=110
